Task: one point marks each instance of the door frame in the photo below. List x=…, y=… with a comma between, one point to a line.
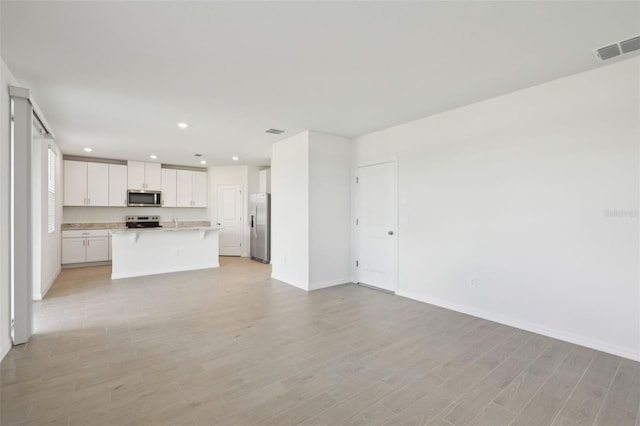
x=394, y=161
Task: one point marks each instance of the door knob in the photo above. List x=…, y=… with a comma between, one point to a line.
x=390, y=232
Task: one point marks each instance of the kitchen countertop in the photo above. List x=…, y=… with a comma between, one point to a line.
x=122, y=226
x=168, y=229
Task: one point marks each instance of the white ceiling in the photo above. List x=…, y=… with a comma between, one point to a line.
x=118, y=76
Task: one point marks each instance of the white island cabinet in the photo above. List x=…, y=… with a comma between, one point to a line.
x=138, y=252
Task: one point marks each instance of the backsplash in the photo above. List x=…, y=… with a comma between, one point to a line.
x=117, y=214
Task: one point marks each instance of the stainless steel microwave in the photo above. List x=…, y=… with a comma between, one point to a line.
x=137, y=198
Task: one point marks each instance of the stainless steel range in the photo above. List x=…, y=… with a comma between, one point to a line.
x=143, y=222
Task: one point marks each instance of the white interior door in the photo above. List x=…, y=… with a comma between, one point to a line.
x=230, y=217
x=376, y=224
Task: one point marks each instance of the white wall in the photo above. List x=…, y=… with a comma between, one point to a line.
x=264, y=181
x=310, y=207
x=47, y=247
x=514, y=192
x=6, y=79
x=254, y=180
x=231, y=175
x=329, y=210
x=290, y=210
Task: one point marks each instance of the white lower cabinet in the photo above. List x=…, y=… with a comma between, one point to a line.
x=73, y=250
x=97, y=249
x=80, y=246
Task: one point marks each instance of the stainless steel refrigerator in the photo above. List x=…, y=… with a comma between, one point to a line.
x=260, y=221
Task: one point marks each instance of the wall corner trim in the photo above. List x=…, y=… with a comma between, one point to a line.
x=297, y=285
x=332, y=283
x=624, y=352
x=47, y=287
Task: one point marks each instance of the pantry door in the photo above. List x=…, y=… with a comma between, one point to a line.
x=230, y=218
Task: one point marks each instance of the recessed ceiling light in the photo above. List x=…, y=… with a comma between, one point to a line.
x=183, y=125
x=203, y=161
x=88, y=149
x=234, y=158
x=153, y=156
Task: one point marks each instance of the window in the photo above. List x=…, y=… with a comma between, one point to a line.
x=51, y=191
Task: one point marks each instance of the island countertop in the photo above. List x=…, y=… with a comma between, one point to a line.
x=122, y=225
x=167, y=229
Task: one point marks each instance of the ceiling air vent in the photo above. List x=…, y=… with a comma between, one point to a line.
x=608, y=52
x=630, y=45
x=274, y=131
x=617, y=49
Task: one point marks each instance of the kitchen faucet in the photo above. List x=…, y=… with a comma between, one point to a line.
x=175, y=221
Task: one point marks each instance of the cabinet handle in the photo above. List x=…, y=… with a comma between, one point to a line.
x=83, y=242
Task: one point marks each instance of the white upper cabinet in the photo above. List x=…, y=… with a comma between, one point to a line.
x=86, y=184
x=97, y=184
x=75, y=183
x=135, y=175
x=199, y=189
x=191, y=188
x=184, y=180
x=144, y=176
x=117, y=185
x=153, y=176
x=91, y=184
x=169, y=189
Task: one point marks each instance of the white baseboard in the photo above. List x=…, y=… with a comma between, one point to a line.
x=5, y=350
x=524, y=325
x=46, y=288
x=119, y=276
x=332, y=283
x=300, y=286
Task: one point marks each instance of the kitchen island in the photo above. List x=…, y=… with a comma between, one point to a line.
x=138, y=252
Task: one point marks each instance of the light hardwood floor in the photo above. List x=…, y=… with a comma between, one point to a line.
x=231, y=346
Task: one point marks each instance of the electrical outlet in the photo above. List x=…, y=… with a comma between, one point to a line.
x=473, y=283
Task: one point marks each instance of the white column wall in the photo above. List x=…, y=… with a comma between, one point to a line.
x=290, y=210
